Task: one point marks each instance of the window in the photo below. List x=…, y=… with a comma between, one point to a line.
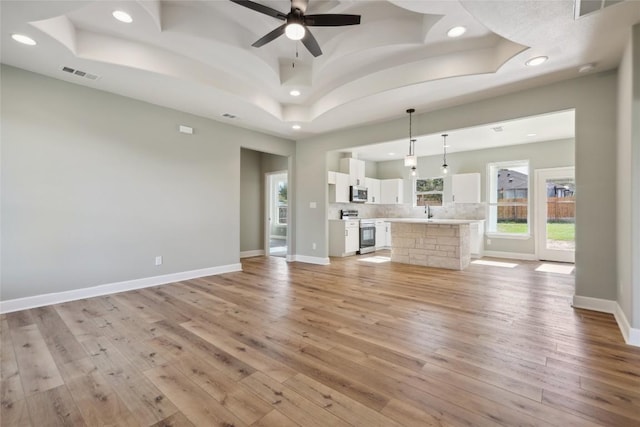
x=282, y=202
x=509, y=198
x=428, y=191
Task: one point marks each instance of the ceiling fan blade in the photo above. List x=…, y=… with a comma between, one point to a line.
x=271, y=36
x=261, y=8
x=300, y=4
x=331, y=20
x=311, y=43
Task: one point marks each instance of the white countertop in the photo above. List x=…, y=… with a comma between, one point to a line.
x=433, y=221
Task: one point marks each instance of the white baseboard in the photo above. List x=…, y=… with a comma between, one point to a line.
x=249, y=254
x=510, y=255
x=594, y=304
x=631, y=335
x=310, y=259
x=111, y=288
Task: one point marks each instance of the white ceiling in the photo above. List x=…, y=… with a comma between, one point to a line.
x=196, y=56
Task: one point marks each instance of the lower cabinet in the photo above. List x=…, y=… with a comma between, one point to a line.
x=381, y=234
x=387, y=232
x=344, y=237
x=476, y=239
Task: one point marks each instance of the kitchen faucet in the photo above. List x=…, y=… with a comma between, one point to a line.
x=427, y=210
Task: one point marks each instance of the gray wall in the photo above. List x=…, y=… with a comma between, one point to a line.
x=95, y=185
x=628, y=181
x=251, y=201
x=594, y=99
x=549, y=154
x=253, y=167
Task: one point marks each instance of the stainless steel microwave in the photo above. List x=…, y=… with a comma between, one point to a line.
x=357, y=194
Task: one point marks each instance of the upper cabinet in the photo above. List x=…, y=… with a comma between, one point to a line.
x=355, y=169
x=465, y=188
x=339, y=187
x=373, y=190
x=391, y=191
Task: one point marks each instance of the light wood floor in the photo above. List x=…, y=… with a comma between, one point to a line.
x=353, y=343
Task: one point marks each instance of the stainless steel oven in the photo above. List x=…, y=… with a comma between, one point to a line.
x=367, y=236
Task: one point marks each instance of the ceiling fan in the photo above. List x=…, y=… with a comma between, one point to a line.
x=296, y=23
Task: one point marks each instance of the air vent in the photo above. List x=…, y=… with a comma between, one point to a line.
x=497, y=129
x=228, y=116
x=585, y=7
x=79, y=73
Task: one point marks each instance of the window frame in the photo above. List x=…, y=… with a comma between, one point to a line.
x=492, y=198
x=416, y=193
x=280, y=205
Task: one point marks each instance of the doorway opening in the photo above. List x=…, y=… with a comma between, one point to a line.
x=556, y=214
x=277, y=209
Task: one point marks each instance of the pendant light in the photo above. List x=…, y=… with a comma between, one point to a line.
x=410, y=160
x=445, y=166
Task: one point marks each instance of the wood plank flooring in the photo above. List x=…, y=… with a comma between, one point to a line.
x=349, y=344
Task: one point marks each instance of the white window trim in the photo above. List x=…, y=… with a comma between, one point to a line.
x=509, y=236
x=492, y=192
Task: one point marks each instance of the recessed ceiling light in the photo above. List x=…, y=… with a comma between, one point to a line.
x=21, y=38
x=391, y=154
x=122, y=16
x=531, y=134
x=586, y=68
x=296, y=127
x=294, y=92
x=456, y=32
x=538, y=60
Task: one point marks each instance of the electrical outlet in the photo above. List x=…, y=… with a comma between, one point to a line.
x=159, y=260
x=488, y=242
x=313, y=246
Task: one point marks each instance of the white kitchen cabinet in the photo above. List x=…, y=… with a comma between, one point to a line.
x=355, y=169
x=344, y=237
x=381, y=234
x=391, y=191
x=339, y=192
x=373, y=190
x=387, y=235
x=476, y=239
x=465, y=188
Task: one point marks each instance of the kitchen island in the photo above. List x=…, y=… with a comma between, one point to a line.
x=442, y=243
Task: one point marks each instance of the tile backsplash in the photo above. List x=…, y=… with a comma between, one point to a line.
x=448, y=211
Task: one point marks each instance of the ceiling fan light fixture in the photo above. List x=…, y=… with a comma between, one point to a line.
x=294, y=31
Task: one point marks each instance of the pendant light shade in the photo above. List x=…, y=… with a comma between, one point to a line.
x=445, y=166
x=410, y=160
